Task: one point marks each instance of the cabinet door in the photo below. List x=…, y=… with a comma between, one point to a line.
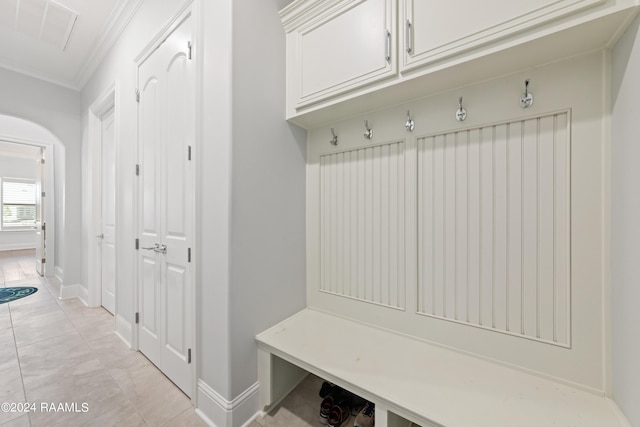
x=347, y=47
x=432, y=30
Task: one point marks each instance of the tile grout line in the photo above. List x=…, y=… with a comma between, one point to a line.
x=93, y=352
x=15, y=344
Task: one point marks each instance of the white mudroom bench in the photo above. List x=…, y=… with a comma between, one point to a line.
x=415, y=381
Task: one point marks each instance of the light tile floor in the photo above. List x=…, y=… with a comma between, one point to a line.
x=54, y=351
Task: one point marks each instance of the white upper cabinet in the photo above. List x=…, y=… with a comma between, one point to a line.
x=434, y=29
x=338, y=46
x=345, y=57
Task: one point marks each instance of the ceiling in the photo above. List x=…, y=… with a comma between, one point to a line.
x=60, y=41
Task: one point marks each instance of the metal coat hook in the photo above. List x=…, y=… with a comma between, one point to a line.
x=410, y=125
x=526, y=100
x=461, y=114
x=334, y=140
x=369, y=133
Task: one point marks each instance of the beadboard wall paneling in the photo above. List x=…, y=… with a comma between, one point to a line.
x=362, y=226
x=494, y=227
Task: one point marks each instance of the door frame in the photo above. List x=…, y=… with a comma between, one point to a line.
x=190, y=7
x=49, y=217
x=103, y=104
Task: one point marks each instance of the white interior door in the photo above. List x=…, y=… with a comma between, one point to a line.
x=166, y=207
x=107, y=241
x=41, y=226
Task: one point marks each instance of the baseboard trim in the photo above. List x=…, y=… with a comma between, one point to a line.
x=74, y=291
x=245, y=407
x=217, y=411
x=59, y=274
x=123, y=330
x=204, y=418
x=84, y=295
x=253, y=418
x=69, y=291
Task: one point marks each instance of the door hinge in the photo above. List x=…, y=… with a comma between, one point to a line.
x=44, y=194
x=42, y=161
x=137, y=95
x=137, y=170
x=189, y=356
x=189, y=48
x=44, y=226
x=188, y=254
x=137, y=318
x=188, y=152
x=44, y=260
x=137, y=244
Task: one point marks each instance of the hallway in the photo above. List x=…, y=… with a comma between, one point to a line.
x=54, y=351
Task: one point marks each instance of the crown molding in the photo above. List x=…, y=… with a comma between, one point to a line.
x=115, y=25
x=38, y=75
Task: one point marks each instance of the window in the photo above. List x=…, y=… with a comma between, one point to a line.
x=18, y=203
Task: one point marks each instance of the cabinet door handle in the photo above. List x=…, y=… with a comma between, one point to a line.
x=387, y=54
x=408, y=36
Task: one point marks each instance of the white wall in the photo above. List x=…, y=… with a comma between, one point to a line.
x=267, y=188
x=250, y=192
x=57, y=109
x=23, y=168
x=213, y=194
x=625, y=234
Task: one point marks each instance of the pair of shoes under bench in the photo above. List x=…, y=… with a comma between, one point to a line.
x=366, y=417
x=327, y=392
x=333, y=413
x=336, y=404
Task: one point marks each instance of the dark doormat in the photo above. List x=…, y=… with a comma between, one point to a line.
x=12, y=294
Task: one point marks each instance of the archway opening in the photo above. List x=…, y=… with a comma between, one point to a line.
x=23, y=136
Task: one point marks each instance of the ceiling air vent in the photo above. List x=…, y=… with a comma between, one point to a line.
x=44, y=20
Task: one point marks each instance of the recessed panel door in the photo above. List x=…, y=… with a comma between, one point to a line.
x=107, y=236
x=150, y=208
x=166, y=125
x=177, y=204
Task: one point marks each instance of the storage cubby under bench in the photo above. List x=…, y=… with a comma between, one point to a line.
x=415, y=381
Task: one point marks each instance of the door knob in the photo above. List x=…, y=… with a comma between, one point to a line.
x=100, y=236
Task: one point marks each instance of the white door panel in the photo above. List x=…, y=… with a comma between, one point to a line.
x=40, y=222
x=108, y=240
x=165, y=136
x=179, y=131
x=149, y=121
x=149, y=283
